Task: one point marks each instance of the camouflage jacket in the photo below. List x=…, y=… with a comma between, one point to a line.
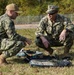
x=54, y=29
x=7, y=29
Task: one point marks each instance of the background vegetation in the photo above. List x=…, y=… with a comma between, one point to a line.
x=39, y=7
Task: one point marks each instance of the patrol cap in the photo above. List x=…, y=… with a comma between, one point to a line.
x=13, y=7
x=52, y=9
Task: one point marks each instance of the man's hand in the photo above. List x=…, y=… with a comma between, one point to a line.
x=45, y=42
x=28, y=41
x=62, y=36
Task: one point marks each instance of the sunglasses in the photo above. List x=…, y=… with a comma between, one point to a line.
x=51, y=13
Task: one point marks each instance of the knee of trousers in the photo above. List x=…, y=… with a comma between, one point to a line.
x=15, y=49
x=39, y=43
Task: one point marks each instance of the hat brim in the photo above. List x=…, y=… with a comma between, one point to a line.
x=18, y=12
x=51, y=12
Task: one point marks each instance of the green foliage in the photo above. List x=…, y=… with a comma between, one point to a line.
x=38, y=7
x=3, y=3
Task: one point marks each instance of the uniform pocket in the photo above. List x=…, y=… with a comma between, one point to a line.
x=7, y=44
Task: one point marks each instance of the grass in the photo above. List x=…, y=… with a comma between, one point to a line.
x=18, y=67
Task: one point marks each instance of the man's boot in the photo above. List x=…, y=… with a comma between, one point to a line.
x=2, y=59
x=50, y=51
x=66, y=54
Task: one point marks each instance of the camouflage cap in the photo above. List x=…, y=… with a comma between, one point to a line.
x=13, y=7
x=52, y=9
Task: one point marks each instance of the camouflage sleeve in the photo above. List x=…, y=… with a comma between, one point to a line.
x=10, y=31
x=68, y=24
x=40, y=29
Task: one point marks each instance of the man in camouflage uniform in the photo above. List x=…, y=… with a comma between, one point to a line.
x=54, y=30
x=10, y=42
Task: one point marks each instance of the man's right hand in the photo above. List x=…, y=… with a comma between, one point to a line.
x=28, y=41
x=45, y=41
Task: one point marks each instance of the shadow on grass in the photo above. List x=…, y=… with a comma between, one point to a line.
x=18, y=60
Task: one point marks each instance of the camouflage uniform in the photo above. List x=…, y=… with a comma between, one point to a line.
x=10, y=41
x=51, y=32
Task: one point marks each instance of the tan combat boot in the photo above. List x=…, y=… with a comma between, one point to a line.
x=2, y=59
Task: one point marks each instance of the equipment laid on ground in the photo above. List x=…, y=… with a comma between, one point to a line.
x=50, y=63
x=37, y=58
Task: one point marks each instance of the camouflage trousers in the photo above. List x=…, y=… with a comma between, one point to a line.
x=10, y=47
x=56, y=43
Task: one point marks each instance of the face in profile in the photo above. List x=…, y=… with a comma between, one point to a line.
x=52, y=16
x=14, y=14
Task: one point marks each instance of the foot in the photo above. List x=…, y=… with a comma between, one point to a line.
x=2, y=59
x=66, y=56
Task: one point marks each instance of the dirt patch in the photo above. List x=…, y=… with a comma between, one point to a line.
x=25, y=26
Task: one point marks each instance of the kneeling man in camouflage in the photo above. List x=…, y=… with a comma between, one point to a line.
x=10, y=42
x=54, y=30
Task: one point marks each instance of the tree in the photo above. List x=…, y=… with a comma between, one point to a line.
x=3, y=4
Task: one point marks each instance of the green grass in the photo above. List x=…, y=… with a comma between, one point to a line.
x=18, y=67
